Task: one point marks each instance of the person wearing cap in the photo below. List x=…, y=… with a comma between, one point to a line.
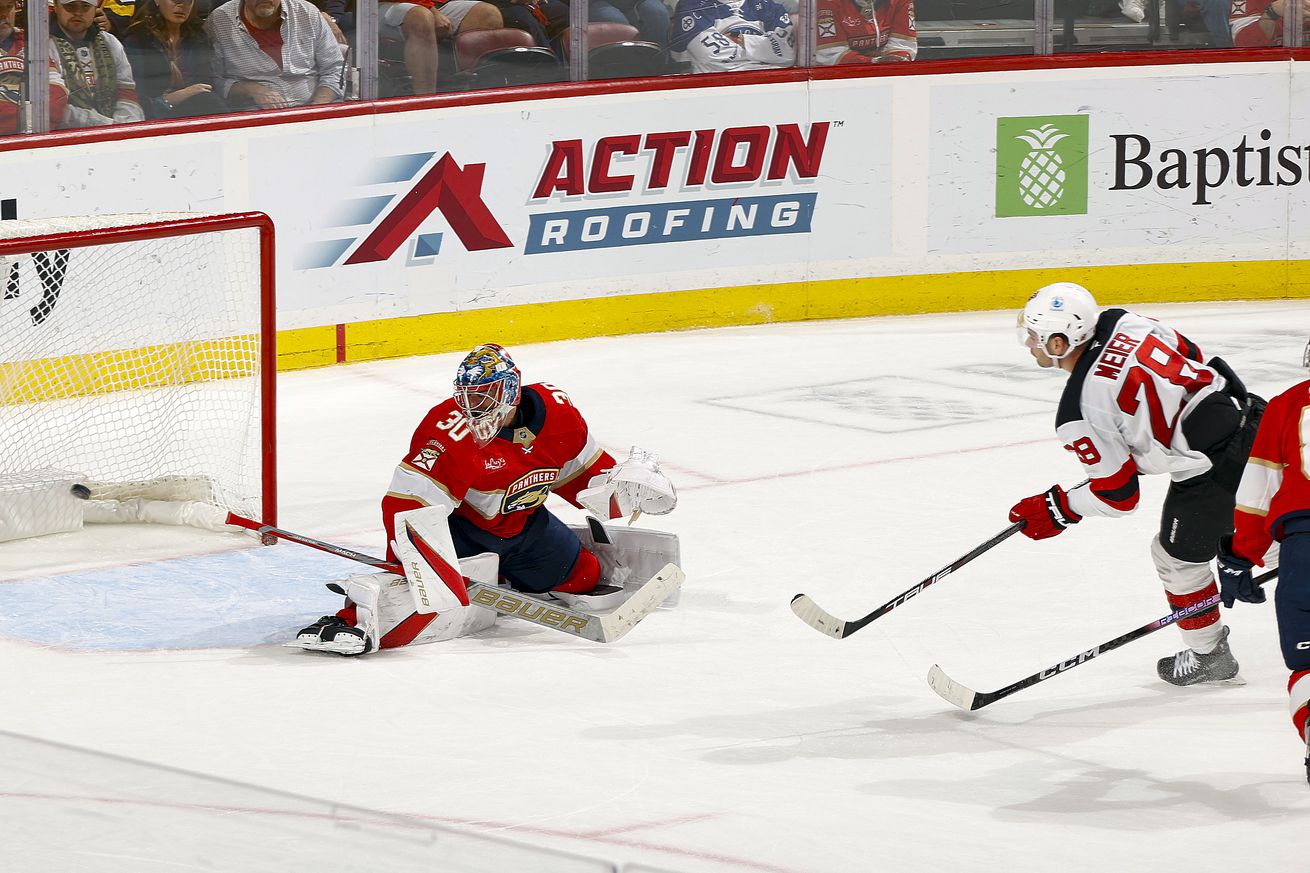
x=13, y=72
x=95, y=69
x=270, y=54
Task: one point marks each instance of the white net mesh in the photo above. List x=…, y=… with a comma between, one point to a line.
x=134, y=363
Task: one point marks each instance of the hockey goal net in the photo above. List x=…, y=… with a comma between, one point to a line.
x=137, y=360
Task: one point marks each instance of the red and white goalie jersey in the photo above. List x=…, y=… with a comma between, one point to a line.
x=1276, y=481
x=547, y=450
x=860, y=32
x=1123, y=407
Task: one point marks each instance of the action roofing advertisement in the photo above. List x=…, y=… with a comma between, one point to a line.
x=472, y=207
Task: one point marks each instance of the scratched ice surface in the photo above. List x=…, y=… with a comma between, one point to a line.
x=845, y=459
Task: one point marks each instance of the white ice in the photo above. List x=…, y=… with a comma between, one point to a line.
x=844, y=459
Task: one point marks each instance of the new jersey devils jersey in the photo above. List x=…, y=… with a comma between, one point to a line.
x=1122, y=410
x=865, y=31
x=1274, y=484
x=546, y=449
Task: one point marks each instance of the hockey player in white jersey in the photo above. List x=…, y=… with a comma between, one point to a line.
x=720, y=36
x=1139, y=399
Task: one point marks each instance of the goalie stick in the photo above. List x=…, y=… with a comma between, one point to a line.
x=599, y=627
x=969, y=700
x=825, y=622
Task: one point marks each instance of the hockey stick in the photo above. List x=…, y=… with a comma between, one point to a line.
x=600, y=627
x=967, y=699
x=825, y=622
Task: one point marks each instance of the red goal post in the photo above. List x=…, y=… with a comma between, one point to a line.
x=138, y=356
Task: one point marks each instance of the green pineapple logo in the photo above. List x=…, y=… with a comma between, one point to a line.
x=1041, y=165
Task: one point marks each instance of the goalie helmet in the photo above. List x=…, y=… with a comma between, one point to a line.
x=1063, y=309
x=488, y=387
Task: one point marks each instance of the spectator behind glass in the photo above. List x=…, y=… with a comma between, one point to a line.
x=543, y=20
x=719, y=36
x=270, y=54
x=1214, y=14
x=860, y=32
x=170, y=55
x=13, y=73
x=419, y=24
x=94, y=67
x=1259, y=23
x=116, y=15
x=650, y=17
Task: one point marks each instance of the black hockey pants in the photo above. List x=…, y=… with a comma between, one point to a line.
x=1198, y=511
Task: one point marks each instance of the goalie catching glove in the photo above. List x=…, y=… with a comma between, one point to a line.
x=635, y=486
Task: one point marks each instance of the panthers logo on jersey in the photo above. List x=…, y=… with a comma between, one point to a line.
x=529, y=491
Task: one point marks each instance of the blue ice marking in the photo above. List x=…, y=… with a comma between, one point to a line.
x=235, y=599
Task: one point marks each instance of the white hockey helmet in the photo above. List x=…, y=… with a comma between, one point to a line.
x=1062, y=308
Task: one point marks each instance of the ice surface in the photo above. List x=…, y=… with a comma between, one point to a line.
x=845, y=459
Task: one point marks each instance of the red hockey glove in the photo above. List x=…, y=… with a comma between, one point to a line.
x=1045, y=514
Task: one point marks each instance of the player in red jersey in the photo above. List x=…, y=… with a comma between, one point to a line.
x=479, y=469
x=865, y=31
x=1139, y=400
x=1259, y=23
x=1273, y=504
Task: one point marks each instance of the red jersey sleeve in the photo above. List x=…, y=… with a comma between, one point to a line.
x=1274, y=484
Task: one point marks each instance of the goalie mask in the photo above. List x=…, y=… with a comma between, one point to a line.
x=488, y=386
x=1063, y=309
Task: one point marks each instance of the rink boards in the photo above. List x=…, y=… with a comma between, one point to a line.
x=428, y=229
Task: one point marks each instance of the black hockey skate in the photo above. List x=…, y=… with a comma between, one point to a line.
x=331, y=633
x=1189, y=667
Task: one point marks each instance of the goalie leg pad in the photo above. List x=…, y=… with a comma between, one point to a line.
x=633, y=554
x=402, y=626
x=425, y=549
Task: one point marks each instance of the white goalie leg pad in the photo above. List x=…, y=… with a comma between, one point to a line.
x=35, y=506
x=427, y=553
x=633, y=555
x=366, y=592
x=1184, y=577
x=383, y=603
x=461, y=621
